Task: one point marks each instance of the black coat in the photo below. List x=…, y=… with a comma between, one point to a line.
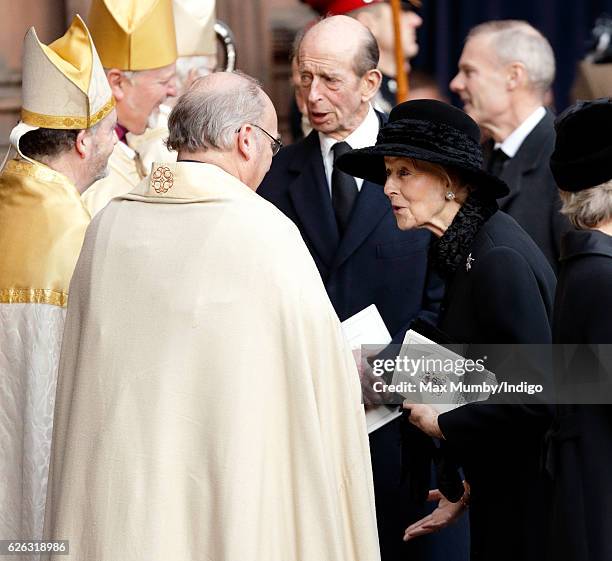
x=582, y=443
x=507, y=294
x=504, y=296
x=583, y=305
x=374, y=263
x=533, y=200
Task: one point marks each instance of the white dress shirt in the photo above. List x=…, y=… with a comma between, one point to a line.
x=364, y=135
x=511, y=145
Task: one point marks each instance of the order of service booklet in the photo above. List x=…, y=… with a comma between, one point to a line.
x=426, y=372
x=368, y=328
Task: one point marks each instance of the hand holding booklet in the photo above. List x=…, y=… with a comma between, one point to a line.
x=426, y=372
x=368, y=328
x=423, y=370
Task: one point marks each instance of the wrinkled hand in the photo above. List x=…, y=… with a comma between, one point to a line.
x=445, y=514
x=424, y=417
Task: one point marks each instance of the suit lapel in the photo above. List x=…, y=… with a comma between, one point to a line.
x=370, y=208
x=310, y=196
x=527, y=158
x=512, y=174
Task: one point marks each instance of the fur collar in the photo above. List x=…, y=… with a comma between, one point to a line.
x=449, y=251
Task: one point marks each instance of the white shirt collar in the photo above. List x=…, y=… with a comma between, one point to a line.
x=364, y=135
x=511, y=145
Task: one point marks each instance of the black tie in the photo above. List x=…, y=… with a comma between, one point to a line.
x=344, y=190
x=497, y=161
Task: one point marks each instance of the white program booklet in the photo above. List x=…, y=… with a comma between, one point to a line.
x=368, y=328
x=434, y=375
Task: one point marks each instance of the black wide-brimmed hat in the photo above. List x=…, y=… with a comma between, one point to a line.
x=583, y=149
x=430, y=131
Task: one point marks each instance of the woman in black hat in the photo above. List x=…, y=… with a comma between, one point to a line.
x=499, y=289
x=582, y=167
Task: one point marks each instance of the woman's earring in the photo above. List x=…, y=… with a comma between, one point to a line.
x=450, y=195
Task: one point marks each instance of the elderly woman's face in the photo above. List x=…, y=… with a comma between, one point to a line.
x=417, y=196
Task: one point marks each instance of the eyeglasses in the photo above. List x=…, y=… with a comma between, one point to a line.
x=276, y=143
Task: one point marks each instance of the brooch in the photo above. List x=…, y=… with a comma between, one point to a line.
x=468, y=262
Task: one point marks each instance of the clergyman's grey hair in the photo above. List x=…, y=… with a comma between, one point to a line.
x=206, y=118
x=516, y=40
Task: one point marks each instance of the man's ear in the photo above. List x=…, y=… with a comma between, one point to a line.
x=83, y=143
x=370, y=83
x=516, y=76
x=246, y=141
x=116, y=80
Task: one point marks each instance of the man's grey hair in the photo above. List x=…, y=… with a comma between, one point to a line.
x=368, y=56
x=517, y=41
x=206, y=118
x=588, y=208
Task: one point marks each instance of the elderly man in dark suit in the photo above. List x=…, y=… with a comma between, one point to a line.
x=505, y=71
x=348, y=225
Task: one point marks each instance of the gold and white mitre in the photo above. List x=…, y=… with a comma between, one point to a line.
x=133, y=34
x=75, y=92
x=63, y=84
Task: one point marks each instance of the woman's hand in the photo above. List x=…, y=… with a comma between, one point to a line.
x=425, y=417
x=445, y=514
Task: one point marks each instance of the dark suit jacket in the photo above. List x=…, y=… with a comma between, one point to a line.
x=375, y=262
x=506, y=296
x=533, y=200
